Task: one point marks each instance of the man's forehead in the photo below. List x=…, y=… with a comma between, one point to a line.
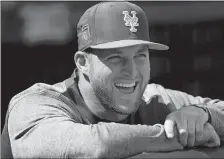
x=106, y=52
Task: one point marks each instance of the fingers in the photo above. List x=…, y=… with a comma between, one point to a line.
x=190, y=126
x=169, y=128
x=214, y=140
x=183, y=134
x=198, y=132
x=191, y=133
x=182, y=129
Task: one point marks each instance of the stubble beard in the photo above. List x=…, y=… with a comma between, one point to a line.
x=105, y=96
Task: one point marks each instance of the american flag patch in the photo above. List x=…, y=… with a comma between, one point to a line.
x=84, y=35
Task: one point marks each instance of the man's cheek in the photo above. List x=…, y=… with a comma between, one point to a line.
x=146, y=77
x=104, y=82
x=103, y=67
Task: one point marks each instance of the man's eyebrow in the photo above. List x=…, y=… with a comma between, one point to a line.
x=116, y=51
x=108, y=52
x=113, y=51
x=144, y=48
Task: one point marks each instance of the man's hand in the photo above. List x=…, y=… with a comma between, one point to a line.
x=209, y=138
x=190, y=122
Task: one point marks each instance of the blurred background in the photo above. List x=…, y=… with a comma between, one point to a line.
x=38, y=42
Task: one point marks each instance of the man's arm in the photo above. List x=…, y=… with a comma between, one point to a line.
x=215, y=108
x=180, y=99
x=50, y=129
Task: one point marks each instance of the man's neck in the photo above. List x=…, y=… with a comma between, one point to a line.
x=95, y=105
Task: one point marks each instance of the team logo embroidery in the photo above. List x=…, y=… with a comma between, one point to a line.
x=131, y=21
x=84, y=35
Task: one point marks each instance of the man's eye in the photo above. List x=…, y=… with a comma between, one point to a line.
x=141, y=56
x=114, y=59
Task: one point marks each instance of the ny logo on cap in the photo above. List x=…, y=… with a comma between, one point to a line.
x=131, y=21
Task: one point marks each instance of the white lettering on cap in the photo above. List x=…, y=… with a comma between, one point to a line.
x=131, y=21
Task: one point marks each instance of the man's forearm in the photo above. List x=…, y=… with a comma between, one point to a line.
x=121, y=140
x=65, y=139
x=215, y=107
x=216, y=116
x=217, y=120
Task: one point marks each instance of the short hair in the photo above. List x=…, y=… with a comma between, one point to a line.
x=89, y=50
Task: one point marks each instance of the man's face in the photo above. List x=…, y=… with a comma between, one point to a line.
x=119, y=77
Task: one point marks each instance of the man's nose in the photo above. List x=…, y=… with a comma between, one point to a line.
x=129, y=69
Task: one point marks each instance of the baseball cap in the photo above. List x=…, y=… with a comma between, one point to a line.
x=115, y=24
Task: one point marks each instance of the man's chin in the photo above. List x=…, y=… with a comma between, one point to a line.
x=124, y=109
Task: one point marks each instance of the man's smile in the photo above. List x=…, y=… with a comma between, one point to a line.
x=126, y=88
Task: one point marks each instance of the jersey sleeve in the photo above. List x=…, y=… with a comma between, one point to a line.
x=44, y=127
x=177, y=99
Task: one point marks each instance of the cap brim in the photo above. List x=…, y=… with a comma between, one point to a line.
x=125, y=43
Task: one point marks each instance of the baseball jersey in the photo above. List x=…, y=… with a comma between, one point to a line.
x=47, y=121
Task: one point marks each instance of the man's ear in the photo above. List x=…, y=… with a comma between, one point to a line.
x=81, y=61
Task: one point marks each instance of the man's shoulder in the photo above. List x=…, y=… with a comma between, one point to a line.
x=153, y=90
x=45, y=98
x=158, y=93
x=174, y=98
x=38, y=89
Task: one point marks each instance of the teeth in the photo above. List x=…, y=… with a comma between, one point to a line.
x=125, y=85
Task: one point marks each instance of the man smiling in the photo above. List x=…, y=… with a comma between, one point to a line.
x=117, y=77
x=107, y=108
